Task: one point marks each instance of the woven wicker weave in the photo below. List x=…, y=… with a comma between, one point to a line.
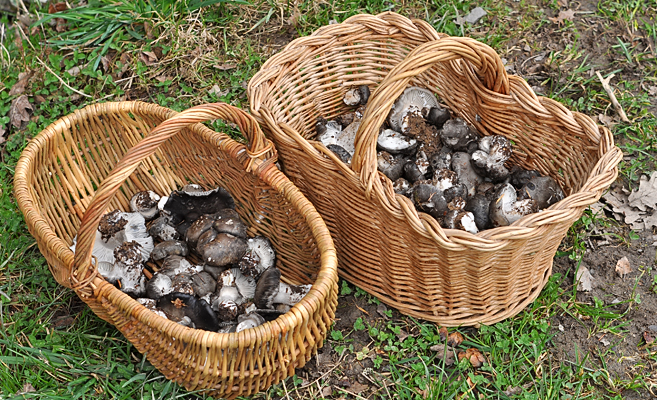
x=93, y=160
x=384, y=245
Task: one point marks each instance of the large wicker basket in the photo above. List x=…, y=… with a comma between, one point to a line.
x=384, y=245
x=93, y=160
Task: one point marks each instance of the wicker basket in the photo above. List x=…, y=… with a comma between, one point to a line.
x=384, y=245
x=93, y=160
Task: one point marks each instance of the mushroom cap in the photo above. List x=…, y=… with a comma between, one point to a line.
x=179, y=305
x=290, y=294
x=205, y=238
x=226, y=310
x=402, y=186
x=339, y=151
x=228, y=221
x=441, y=159
x=459, y=136
x=162, y=229
x=111, y=225
x=395, y=143
x=267, y=288
x=329, y=132
x=169, y=248
x=519, y=176
x=259, y=256
x=214, y=271
x=544, y=190
x=108, y=271
x=357, y=96
x=489, y=160
x=246, y=285
x=135, y=230
x=145, y=203
x=320, y=126
x=459, y=219
x=389, y=165
x=505, y=209
x=159, y=285
x=224, y=249
x=201, y=225
x=413, y=99
x=191, y=202
x=182, y=283
x=174, y=265
x=248, y=321
x=436, y=116
x=478, y=205
x=203, y=283
x=466, y=174
x=415, y=170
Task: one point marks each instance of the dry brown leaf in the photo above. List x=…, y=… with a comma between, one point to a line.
x=19, y=87
x=225, y=66
x=19, y=112
x=606, y=120
x=443, y=333
x=442, y=355
x=327, y=391
x=148, y=57
x=563, y=16
x=623, y=267
x=358, y=388
x=27, y=388
x=646, y=195
x=474, y=356
x=648, y=337
x=454, y=339
x=652, y=91
x=583, y=279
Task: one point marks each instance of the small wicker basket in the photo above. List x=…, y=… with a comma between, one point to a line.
x=384, y=245
x=95, y=159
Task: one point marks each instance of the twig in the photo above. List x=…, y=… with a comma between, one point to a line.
x=61, y=80
x=610, y=92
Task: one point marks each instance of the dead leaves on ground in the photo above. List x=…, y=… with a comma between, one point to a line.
x=446, y=351
x=623, y=267
x=20, y=112
x=564, y=15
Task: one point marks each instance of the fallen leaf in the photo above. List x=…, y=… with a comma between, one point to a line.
x=402, y=335
x=652, y=91
x=27, y=388
x=583, y=279
x=563, y=15
x=646, y=195
x=327, y=391
x=605, y=342
x=632, y=216
x=472, y=17
x=216, y=90
x=358, y=388
x=606, y=120
x=19, y=86
x=623, y=267
x=454, y=339
x=74, y=71
x=443, y=355
x=148, y=57
x=225, y=67
x=647, y=336
x=510, y=391
x=19, y=112
x=382, y=309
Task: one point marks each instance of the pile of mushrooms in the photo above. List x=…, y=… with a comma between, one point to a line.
x=187, y=257
x=442, y=163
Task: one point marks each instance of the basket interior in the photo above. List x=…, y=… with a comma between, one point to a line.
x=314, y=84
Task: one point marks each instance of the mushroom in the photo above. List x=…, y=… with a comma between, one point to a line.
x=478, y=205
x=182, y=283
x=177, y=306
x=416, y=170
x=458, y=136
x=411, y=102
x=519, y=176
x=320, y=126
x=224, y=249
x=128, y=260
x=431, y=195
x=334, y=134
x=270, y=290
x=395, y=143
x=357, y=96
x=151, y=305
x=259, y=256
x=342, y=154
x=168, y=248
x=402, y=186
x=436, y=116
x=505, y=209
x=145, y=203
x=192, y=201
x=174, y=265
x=250, y=320
x=228, y=221
x=158, y=286
x=162, y=229
x=246, y=285
x=114, y=229
x=493, y=152
x=544, y=190
x=460, y=219
x=226, y=310
x=201, y=225
x=327, y=131
x=228, y=290
x=441, y=159
x=203, y=283
x=466, y=174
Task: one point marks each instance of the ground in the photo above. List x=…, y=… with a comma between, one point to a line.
x=568, y=344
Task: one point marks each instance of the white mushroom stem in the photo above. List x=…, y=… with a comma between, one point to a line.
x=230, y=293
x=290, y=294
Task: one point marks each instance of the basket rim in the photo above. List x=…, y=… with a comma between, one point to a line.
x=602, y=174
x=322, y=286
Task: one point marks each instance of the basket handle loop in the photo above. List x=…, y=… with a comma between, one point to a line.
x=260, y=151
x=484, y=59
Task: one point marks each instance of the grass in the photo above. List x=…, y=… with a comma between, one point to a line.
x=52, y=346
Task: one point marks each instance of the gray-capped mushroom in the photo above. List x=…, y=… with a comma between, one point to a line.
x=466, y=174
x=267, y=288
x=478, y=205
x=505, y=209
x=145, y=203
x=228, y=221
x=402, y=186
x=182, y=283
x=192, y=201
x=224, y=249
x=429, y=195
x=260, y=255
x=162, y=229
x=342, y=154
x=226, y=310
x=179, y=305
x=344, y=138
x=518, y=176
x=249, y=321
x=411, y=102
x=436, y=116
x=246, y=285
x=544, y=190
x=201, y=225
x=458, y=136
x=128, y=259
x=163, y=250
x=441, y=159
x=151, y=305
x=394, y=142
x=203, y=283
x=493, y=152
x=460, y=219
x=357, y=96
x=158, y=286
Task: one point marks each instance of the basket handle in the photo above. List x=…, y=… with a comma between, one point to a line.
x=260, y=151
x=488, y=67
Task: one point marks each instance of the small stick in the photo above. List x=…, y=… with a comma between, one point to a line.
x=61, y=80
x=610, y=92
